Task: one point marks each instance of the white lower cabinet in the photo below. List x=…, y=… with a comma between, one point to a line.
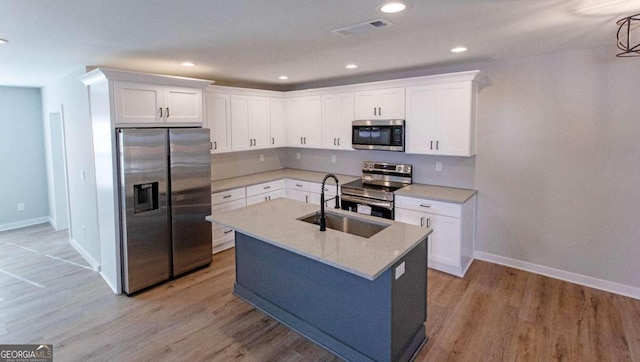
x=309, y=192
x=222, y=237
x=450, y=246
x=265, y=191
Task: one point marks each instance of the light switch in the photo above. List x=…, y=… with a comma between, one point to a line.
x=333, y=158
x=298, y=155
x=83, y=175
x=438, y=166
x=261, y=158
x=399, y=270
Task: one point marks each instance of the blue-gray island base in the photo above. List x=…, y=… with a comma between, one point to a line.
x=351, y=316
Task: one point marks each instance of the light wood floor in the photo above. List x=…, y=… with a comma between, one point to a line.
x=49, y=295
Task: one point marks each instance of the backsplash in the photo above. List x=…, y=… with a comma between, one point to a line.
x=236, y=164
x=456, y=171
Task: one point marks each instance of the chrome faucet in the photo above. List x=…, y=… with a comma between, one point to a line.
x=323, y=220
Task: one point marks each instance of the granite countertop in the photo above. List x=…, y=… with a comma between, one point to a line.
x=275, y=222
x=258, y=178
x=437, y=193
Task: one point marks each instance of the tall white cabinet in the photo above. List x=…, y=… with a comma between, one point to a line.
x=304, y=122
x=218, y=120
x=337, y=117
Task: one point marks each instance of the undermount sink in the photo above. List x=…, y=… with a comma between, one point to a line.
x=347, y=224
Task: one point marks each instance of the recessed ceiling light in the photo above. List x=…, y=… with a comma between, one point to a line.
x=458, y=50
x=187, y=64
x=2, y=41
x=351, y=66
x=283, y=77
x=392, y=7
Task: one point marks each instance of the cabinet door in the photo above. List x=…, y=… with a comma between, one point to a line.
x=138, y=103
x=313, y=122
x=298, y=195
x=455, y=119
x=218, y=119
x=366, y=105
x=391, y=103
x=444, y=242
x=278, y=122
x=295, y=121
x=409, y=217
x=337, y=117
x=183, y=105
x=259, y=122
x=240, y=138
x=422, y=131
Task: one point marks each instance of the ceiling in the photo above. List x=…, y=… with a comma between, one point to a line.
x=252, y=42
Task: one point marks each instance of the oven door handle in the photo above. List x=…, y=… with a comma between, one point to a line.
x=370, y=202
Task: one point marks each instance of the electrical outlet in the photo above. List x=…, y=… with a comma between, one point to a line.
x=261, y=158
x=21, y=207
x=83, y=175
x=438, y=166
x=400, y=270
x=298, y=155
x=333, y=158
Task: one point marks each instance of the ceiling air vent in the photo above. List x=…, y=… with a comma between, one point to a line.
x=362, y=27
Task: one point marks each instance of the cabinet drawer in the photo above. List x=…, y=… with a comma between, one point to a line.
x=297, y=185
x=329, y=188
x=430, y=206
x=226, y=196
x=231, y=205
x=256, y=199
x=223, y=233
x=265, y=187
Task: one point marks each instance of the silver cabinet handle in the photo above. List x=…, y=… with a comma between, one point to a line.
x=215, y=145
x=160, y=112
x=423, y=205
x=437, y=143
x=266, y=187
x=422, y=221
x=305, y=140
x=338, y=142
x=301, y=140
x=226, y=196
x=167, y=112
x=266, y=199
x=379, y=111
x=228, y=231
x=299, y=185
x=431, y=145
x=374, y=111
x=334, y=141
x=428, y=222
x=273, y=141
x=255, y=142
x=306, y=199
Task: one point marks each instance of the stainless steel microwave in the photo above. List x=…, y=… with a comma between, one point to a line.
x=385, y=135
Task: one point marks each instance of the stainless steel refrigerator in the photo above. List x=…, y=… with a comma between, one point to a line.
x=165, y=195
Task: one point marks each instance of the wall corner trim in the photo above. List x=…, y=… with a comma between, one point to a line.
x=587, y=281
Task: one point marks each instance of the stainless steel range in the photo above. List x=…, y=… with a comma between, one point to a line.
x=373, y=193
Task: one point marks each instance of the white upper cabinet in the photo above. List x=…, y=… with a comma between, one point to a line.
x=278, y=122
x=380, y=104
x=140, y=104
x=218, y=119
x=337, y=117
x=304, y=122
x=249, y=122
x=441, y=119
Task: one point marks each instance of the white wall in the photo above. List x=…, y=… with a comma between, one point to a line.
x=557, y=167
x=23, y=171
x=73, y=96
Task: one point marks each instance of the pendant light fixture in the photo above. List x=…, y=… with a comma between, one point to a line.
x=629, y=25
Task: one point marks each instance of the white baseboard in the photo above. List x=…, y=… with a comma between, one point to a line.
x=24, y=223
x=52, y=222
x=92, y=262
x=115, y=290
x=608, y=286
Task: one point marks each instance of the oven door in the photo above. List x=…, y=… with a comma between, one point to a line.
x=379, y=208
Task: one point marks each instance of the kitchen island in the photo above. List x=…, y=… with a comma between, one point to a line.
x=361, y=298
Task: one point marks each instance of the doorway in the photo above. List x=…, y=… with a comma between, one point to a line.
x=59, y=201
